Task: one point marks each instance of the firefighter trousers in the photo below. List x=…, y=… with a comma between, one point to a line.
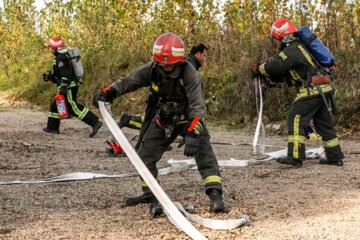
x=74, y=109
x=155, y=143
x=299, y=117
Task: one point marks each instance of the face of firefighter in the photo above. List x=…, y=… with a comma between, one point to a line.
x=201, y=56
x=278, y=42
x=52, y=50
x=168, y=69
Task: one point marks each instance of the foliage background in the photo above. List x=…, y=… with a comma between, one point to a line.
x=116, y=37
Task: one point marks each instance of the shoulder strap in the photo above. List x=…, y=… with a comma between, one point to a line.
x=311, y=59
x=310, y=39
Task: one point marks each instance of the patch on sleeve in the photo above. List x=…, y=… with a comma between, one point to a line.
x=282, y=55
x=60, y=64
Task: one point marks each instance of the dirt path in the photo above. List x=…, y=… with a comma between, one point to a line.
x=312, y=202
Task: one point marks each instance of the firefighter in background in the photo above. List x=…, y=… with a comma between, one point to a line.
x=196, y=57
x=176, y=106
x=67, y=85
x=311, y=101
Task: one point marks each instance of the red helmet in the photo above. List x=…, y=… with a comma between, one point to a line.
x=169, y=49
x=56, y=43
x=282, y=27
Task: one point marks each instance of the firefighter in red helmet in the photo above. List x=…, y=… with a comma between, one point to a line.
x=67, y=86
x=196, y=58
x=296, y=65
x=176, y=106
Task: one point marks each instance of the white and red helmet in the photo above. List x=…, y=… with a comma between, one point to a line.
x=282, y=27
x=56, y=43
x=169, y=50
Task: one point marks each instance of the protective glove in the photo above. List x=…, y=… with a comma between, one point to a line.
x=192, y=143
x=255, y=70
x=106, y=95
x=45, y=77
x=63, y=90
x=48, y=77
x=192, y=138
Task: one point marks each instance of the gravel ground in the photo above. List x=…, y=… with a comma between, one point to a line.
x=312, y=202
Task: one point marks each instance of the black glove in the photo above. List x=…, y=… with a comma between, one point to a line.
x=192, y=143
x=63, y=90
x=48, y=77
x=192, y=137
x=255, y=70
x=45, y=77
x=106, y=95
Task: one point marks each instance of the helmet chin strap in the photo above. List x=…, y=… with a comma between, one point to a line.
x=288, y=38
x=173, y=74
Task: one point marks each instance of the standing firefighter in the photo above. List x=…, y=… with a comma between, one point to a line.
x=295, y=62
x=67, y=86
x=176, y=106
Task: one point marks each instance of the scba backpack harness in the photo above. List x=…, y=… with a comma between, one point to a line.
x=324, y=61
x=76, y=64
x=315, y=47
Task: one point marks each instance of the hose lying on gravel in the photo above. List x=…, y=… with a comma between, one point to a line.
x=214, y=223
x=173, y=213
x=175, y=166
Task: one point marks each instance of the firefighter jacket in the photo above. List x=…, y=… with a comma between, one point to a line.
x=183, y=84
x=191, y=58
x=295, y=62
x=63, y=69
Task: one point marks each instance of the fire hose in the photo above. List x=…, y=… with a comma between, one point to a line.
x=172, y=212
x=175, y=166
x=260, y=124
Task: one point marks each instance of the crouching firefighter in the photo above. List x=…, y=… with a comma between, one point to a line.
x=196, y=58
x=67, y=86
x=176, y=106
x=312, y=99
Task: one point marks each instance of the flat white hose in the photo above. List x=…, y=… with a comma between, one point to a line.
x=177, y=218
x=214, y=223
x=175, y=166
x=259, y=124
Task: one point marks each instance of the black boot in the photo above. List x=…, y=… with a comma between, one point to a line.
x=216, y=202
x=290, y=161
x=95, y=128
x=146, y=197
x=47, y=130
x=124, y=120
x=325, y=161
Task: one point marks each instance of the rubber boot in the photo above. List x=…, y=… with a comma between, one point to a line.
x=54, y=131
x=124, y=120
x=130, y=121
x=216, y=202
x=146, y=197
x=325, y=161
x=95, y=128
x=290, y=161
x=52, y=126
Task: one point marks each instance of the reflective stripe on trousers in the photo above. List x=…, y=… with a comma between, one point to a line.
x=296, y=139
